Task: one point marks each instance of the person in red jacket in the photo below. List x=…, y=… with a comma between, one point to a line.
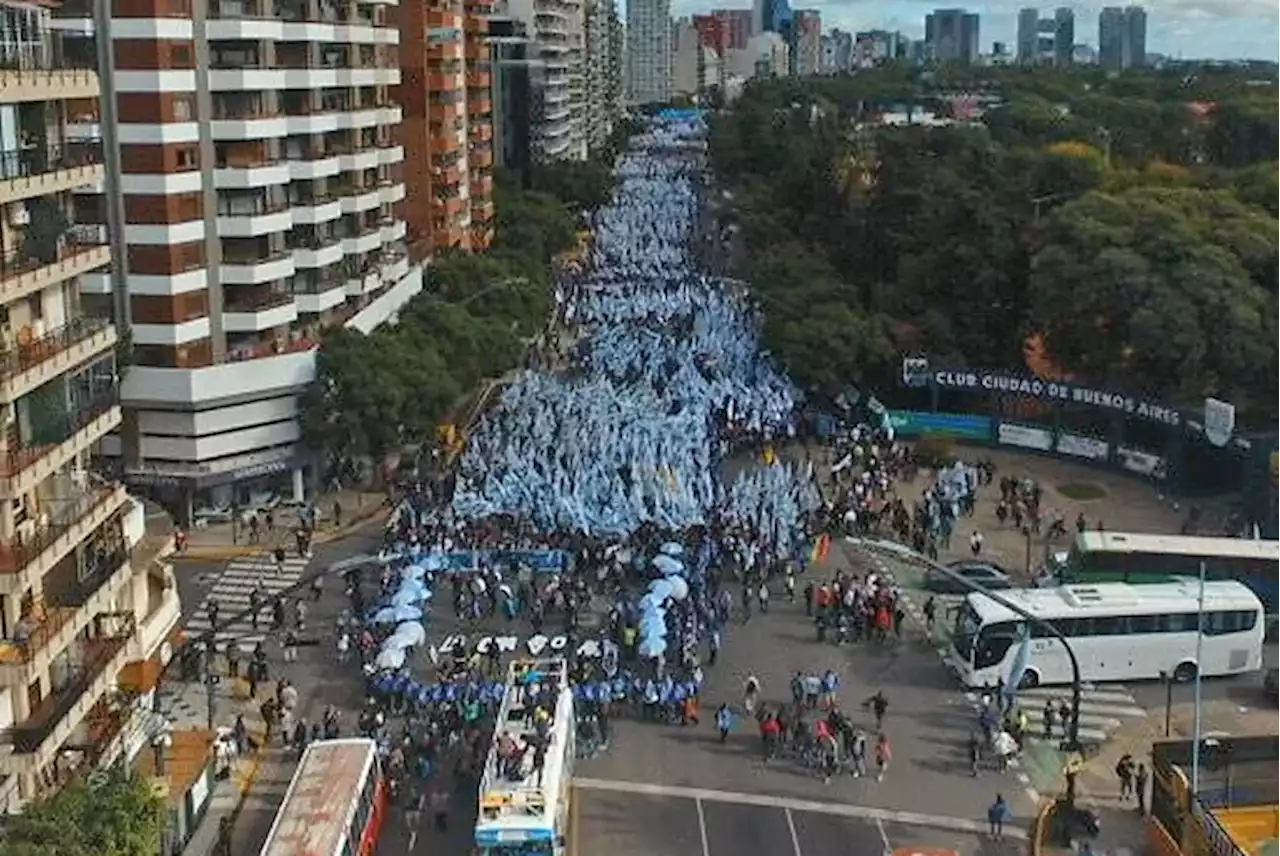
x=770, y=733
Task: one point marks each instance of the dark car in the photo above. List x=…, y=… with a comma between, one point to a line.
x=985, y=574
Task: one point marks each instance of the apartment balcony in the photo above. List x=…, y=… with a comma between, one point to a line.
x=248, y=122
x=481, y=158
x=363, y=280
x=83, y=250
x=254, y=220
x=479, y=80
x=446, y=143
x=36, y=739
x=50, y=627
x=476, y=23
x=442, y=111
x=35, y=360
x=445, y=82
x=392, y=230
x=482, y=132
x=32, y=552
x=321, y=296
x=393, y=266
x=22, y=467
x=317, y=210
x=480, y=106
x=360, y=159
x=390, y=192
x=261, y=313
x=451, y=206
x=444, y=50
x=250, y=176
x=361, y=199
x=256, y=268
x=481, y=186
x=320, y=164
x=366, y=241
x=389, y=155
x=319, y=253
x=35, y=171
x=234, y=22
x=482, y=212
x=35, y=80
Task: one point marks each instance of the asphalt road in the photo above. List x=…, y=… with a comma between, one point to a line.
x=713, y=824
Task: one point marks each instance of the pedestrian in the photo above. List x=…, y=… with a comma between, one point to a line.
x=998, y=814
x=1140, y=787
x=1048, y=719
x=290, y=646
x=440, y=809
x=975, y=542
x=930, y=613
x=279, y=556
x=724, y=721
x=337, y=514
x=975, y=752
x=884, y=754
x=1124, y=772
x=233, y=660
x=255, y=604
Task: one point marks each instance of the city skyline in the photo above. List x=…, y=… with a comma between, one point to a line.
x=1190, y=29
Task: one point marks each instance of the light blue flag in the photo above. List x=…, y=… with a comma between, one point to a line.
x=1020, y=662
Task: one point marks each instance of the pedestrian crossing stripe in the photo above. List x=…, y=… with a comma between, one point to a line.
x=1102, y=711
x=231, y=591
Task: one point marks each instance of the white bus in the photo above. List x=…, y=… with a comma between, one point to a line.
x=1118, y=632
x=523, y=807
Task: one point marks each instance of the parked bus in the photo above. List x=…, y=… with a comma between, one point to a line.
x=1118, y=632
x=335, y=804
x=524, y=805
x=1123, y=557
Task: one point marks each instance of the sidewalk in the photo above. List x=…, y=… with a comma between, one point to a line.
x=215, y=543
x=185, y=704
x=1121, y=833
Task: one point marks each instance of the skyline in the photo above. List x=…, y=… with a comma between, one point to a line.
x=1188, y=29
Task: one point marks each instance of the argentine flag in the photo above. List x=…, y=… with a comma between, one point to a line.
x=1020, y=661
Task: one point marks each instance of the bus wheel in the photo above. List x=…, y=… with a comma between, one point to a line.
x=1185, y=673
x=1029, y=680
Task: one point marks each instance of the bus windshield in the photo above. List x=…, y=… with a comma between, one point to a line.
x=968, y=623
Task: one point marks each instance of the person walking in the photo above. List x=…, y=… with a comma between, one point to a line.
x=884, y=754
x=1140, y=787
x=998, y=814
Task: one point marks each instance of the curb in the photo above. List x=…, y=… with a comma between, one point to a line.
x=230, y=552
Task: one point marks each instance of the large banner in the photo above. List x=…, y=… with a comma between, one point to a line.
x=1025, y=437
x=963, y=426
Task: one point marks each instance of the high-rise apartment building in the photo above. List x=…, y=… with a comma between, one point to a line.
x=603, y=69
x=556, y=30
x=872, y=47
x=806, y=38
x=649, y=52
x=517, y=93
x=447, y=132
x=770, y=16
x=253, y=192
x=81, y=595
x=724, y=29
x=952, y=35
x=1046, y=41
x=1122, y=37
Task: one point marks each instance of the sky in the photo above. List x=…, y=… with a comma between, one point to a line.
x=1191, y=29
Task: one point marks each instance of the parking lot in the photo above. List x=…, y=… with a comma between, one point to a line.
x=688, y=822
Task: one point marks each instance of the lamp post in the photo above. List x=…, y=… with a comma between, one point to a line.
x=1167, y=680
x=1195, y=746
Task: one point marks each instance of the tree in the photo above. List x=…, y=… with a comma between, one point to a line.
x=121, y=816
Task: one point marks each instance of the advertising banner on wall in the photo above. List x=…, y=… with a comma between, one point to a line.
x=962, y=426
x=1140, y=462
x=1025, y=437
x=1083, y=447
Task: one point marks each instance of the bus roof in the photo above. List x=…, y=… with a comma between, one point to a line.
x=1084, y=600
x=1177, y=545
x=321, y=801
x=526, y=809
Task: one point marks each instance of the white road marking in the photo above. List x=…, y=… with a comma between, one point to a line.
x=884, y=836
x=702, y=828
x=791, y=827
x=858, y=812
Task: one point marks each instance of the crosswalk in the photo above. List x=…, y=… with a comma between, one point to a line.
x=231, y=592
x=1104, y=708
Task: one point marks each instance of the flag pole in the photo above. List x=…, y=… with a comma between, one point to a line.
x=1195, y=746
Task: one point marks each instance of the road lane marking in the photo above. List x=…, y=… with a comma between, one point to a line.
x=702, y=828
x=884, y=837
x=791, y=827
x=575, y=811
x=907, y=818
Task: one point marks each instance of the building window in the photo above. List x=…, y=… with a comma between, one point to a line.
x=183, y=107
x=180, y=56
x=186, y=158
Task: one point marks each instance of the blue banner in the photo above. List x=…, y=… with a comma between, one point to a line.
x=964, y=426
x=465, y=561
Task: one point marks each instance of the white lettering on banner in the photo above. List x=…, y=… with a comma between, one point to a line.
x=1083, y=447
x=590, y=648
x=1057, y=391
x=504, y=644
x=536, y=644
x=559, y=643
x=507, y=644
x=450, y=643
x=1025, y=436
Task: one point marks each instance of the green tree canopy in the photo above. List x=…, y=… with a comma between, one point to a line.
x=120, y=817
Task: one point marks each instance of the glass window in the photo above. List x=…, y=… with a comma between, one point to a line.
x=1143, y=624
x=1109, y=625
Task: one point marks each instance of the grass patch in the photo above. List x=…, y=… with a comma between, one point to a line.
x=1082, y=491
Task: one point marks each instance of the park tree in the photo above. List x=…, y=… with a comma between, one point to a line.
x=115, y=815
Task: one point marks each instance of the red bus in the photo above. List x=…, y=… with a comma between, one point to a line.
x=335, y=804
